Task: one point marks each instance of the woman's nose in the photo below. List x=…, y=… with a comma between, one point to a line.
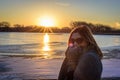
x=75, y=43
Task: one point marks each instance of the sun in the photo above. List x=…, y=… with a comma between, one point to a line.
x=46, y=22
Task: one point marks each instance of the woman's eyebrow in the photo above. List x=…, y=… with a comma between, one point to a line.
x=76, y=37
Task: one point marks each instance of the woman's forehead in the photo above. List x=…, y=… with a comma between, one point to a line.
x=76, y=35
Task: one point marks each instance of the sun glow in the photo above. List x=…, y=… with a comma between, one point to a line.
x=46, y=22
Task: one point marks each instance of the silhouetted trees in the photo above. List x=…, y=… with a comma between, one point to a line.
x=77, y=24
x=4, y=24
x=96, y=28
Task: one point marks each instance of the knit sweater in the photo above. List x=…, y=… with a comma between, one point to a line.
x=79, y=66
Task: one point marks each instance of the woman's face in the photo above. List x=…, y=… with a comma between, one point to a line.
x=78, y=40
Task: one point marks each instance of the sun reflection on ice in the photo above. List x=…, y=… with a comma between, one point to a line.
x=46, y=38
x=46, y=47
x=46, y=41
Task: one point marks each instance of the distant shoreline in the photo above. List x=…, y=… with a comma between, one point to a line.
x=67, y=32
x=107, y=33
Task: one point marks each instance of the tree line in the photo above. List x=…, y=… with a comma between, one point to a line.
x=96, y=28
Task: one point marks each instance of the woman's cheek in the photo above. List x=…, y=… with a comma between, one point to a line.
x=70, y=44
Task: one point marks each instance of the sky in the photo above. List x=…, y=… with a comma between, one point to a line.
x=28, y=12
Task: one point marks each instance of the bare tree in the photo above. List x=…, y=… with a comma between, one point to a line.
x=4, y=24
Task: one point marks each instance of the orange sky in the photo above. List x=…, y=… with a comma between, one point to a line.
x=27, y=12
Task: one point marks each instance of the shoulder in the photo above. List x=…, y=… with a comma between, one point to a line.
x=89, y=65
x=90, y=58
x=90, y=54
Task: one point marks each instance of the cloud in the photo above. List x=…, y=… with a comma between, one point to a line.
x=62, y=4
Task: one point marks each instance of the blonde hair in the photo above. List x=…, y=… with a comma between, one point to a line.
x=86, y=33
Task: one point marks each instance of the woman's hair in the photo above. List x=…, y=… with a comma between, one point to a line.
x=87, y=35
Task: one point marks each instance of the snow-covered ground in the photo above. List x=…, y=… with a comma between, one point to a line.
x=36, y=68
x=49, y=68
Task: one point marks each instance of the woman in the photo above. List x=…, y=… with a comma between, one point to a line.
x=83, y=57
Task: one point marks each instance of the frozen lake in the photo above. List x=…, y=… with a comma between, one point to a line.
x=36, y=44
x=40, y=55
